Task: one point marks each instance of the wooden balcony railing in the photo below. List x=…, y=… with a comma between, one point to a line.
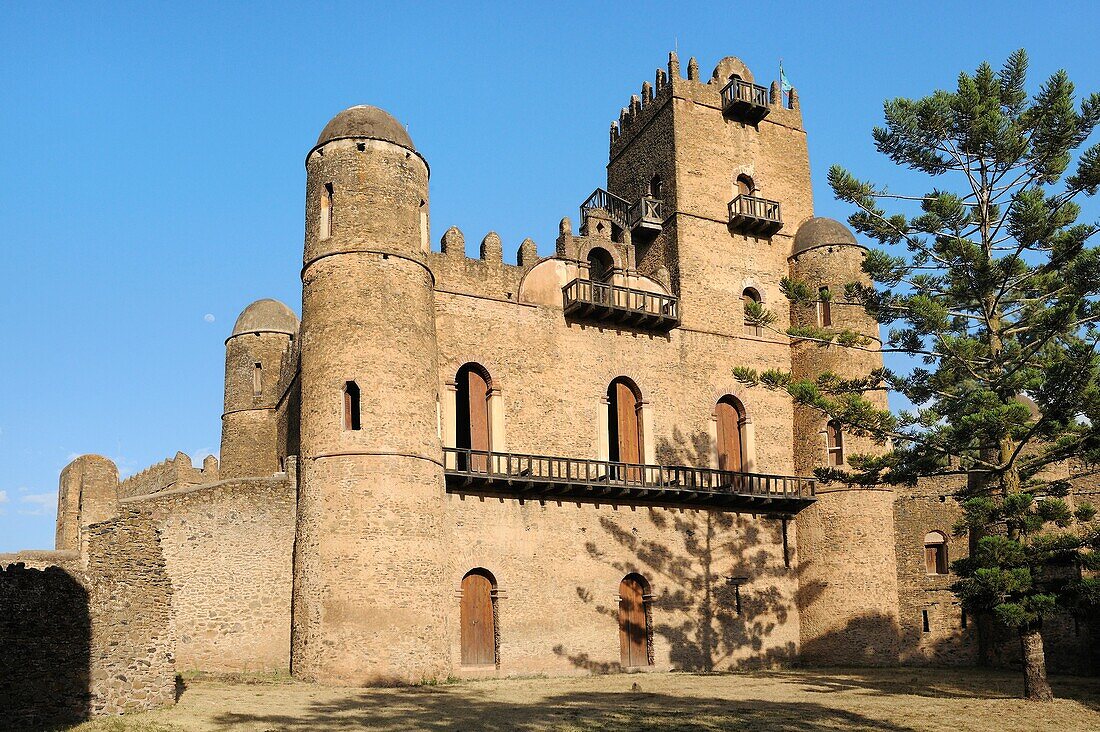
x=745, y=100
x=591, y=300
x=647, y=213
x=755, y=215
x=617, y=208
x=539, y=476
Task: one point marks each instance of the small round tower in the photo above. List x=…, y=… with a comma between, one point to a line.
x=253, y=356
x=371, y=549
x=848, y=598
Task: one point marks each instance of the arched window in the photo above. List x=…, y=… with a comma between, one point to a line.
x=731, y=443
x=655, y=187
x=325, y=224
x=824, y=307
x=624, y=425
x=935, y=552
x=634, y=621
x=478, y=618
x=745, y=185
x=834, y=439
x=750, y=295
x=473, y=386
x=351, y=406
x=601, y=265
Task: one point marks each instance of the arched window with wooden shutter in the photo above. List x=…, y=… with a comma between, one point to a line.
x=834, y=440
x=624, y=425
x=473, y=425
x=935, y=552
x=748, y=298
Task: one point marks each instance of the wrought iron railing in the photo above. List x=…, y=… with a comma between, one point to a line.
x=646, y=210
x=755, y=210
x=581, y=293
x=617, y=208
x=738, y=91
x=514, y=468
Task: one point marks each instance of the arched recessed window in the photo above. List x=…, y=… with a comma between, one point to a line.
x=825, y=309
x=424, y=238
x=731, y=444
x=834, y=439
x=257, y=378
x=745, y=185
x=325, y=224
x=751, y=296
x=478, y=618
x=656, y=187
x=351, y=406
x=601, y=265
x=473, y=387
x=935, y=552
x=634, y=621
x=624, y=425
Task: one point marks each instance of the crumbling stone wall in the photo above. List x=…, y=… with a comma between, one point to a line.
x=227, y=549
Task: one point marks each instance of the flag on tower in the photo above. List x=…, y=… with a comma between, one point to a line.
x=784, y=84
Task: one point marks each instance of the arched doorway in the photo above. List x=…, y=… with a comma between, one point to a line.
x=624, y=426
x=473, y=390
x=633, y=623
x=478, y=620
x=745, y=185
x=731, y=444
x=601, y=265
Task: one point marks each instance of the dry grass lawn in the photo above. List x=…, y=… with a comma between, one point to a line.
x=897, y=700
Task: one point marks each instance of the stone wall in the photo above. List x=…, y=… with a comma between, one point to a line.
x=227, y=549
x=45, y=642
x=175, y=472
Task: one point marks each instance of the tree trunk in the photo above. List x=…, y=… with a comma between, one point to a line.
x=1036, y=687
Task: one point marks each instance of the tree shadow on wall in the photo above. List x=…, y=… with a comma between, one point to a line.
x=45, y=649
x=722, y=587
x=390, y=710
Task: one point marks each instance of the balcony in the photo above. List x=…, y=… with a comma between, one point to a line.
x=591, y=300
x=617, y=208
x=755, y=215
x=541, y=477
x=646, y=215
x=745, y=101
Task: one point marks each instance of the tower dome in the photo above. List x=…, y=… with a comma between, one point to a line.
x=266, y=316
x=821, y=231
x=364, y=121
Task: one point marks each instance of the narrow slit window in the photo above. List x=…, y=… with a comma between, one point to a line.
x=963, y=619
x=326, y=212
x=925, y=627
x=257, y=378
x=834, y=438
x=351, y=406
x=826, y=307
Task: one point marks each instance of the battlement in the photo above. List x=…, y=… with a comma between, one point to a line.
x=174, y=472
x=741, y=98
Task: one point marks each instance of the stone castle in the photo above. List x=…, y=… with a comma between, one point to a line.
x=467, y=467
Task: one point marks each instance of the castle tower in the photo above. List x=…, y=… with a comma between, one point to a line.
x=253, y=354
x=847, y=557
x=87, y=493
x=730, y=165
x=371, y=550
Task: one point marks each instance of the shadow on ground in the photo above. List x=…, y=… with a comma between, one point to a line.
x=435, y=709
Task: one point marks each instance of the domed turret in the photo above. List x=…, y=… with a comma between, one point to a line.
x=365, y=122
x=822, y=231
x=253, y=357
x=370, y=471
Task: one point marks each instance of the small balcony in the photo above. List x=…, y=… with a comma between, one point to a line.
x=745, y=101
x=646, y=215
x=616, y=208
x=755, y=215
x=540, y=477
x=601, y=301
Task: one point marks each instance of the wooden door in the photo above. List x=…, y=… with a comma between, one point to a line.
x=730, y=453
x=478, y=389
x=478, y=628
x=628, y=429
x=633, y=633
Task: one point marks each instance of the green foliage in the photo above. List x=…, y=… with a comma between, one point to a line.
x=988, y=282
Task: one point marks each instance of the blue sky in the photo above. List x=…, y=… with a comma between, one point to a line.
x=151, y=176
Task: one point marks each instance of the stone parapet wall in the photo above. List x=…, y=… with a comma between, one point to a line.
x=172, y=473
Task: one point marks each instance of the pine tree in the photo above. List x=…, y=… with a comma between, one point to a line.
x=989, y=288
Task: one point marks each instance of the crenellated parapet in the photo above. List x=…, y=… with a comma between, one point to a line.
x=488, y=275
x=175, y=472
